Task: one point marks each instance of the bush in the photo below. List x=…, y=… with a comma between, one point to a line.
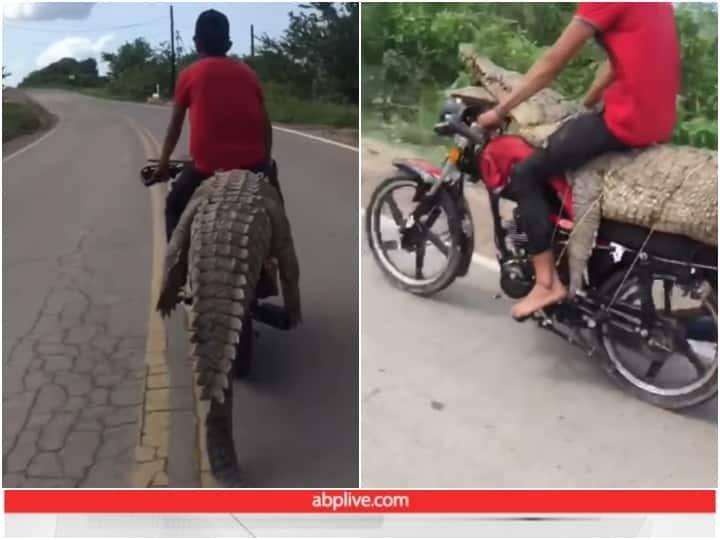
x=19, y=119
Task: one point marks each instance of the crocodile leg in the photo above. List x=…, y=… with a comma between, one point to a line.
x=283, y=249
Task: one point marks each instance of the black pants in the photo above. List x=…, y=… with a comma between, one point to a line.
x=189, y=180
x=573, y=145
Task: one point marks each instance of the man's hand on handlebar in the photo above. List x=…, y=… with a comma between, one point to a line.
x=161, y=174
x=490, y=119
x=153, y=173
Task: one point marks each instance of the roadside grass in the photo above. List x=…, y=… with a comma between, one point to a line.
x=21, y=119
x=287, y=108
x=100, y=92
x=410, y=122
x=409, y=126
x=283, y=107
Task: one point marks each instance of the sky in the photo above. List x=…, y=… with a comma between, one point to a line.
x=37, y=34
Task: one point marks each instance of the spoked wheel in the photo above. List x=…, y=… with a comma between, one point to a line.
x=676, y=365
x=420, y=256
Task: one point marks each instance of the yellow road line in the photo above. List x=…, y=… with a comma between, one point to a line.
x=151, y=455
x=152, y=451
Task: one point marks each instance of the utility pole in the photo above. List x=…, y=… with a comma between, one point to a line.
x=252, y=41
x=172, y=53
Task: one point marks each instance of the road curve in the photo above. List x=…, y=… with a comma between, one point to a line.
x=80, y=387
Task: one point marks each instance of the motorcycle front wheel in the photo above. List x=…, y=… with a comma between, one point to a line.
x=421, y=256
x=676, y=366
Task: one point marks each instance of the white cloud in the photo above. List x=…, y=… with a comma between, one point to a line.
x=80, y=48
x=39, y=11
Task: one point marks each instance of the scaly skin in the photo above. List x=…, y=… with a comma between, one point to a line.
x=534, y=119
x=669, y=188
x=232, y=225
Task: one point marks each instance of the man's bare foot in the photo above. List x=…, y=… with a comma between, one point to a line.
x=538, y=298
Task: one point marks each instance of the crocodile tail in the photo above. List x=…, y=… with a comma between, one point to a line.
x=230, y=240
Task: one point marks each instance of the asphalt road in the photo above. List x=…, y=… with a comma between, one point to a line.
x=78, y=255
x=456, y=394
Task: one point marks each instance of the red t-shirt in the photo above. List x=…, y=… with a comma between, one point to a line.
x=642, y=45
x=227, y=126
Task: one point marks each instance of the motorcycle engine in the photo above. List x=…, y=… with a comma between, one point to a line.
x=516, y=272
x=516, y=278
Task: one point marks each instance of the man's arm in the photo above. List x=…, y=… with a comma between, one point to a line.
x=602, y=80
x=544, y=71
x=173, y=133
x=268, y=134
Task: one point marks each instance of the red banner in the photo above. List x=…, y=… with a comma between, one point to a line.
x=360, y=501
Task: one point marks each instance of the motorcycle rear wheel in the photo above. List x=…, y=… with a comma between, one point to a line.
x=619, y=365
x=375, y=221
x=244, y=355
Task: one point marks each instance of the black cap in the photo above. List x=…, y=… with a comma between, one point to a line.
x=212, y=32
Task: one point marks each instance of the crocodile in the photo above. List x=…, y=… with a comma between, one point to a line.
x=664, y=187
x=234, y=223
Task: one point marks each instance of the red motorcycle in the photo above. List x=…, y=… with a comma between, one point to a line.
x=648, y=302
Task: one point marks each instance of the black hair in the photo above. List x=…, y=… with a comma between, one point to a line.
x=212, y=33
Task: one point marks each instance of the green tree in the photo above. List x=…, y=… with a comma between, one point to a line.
x=317, y=55
x=65, y=72
x=129, y=56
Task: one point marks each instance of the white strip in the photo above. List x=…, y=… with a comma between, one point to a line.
x=32, y=144
x=483, y=260
x=316, y=138
x=486, y=262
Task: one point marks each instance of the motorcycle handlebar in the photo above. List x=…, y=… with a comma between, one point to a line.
x=147, y=172
x=477, y=137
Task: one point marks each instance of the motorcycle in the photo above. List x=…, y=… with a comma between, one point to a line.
x=647, y=298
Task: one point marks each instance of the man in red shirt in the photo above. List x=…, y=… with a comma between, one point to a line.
x=229, y=125
x=639, y=84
